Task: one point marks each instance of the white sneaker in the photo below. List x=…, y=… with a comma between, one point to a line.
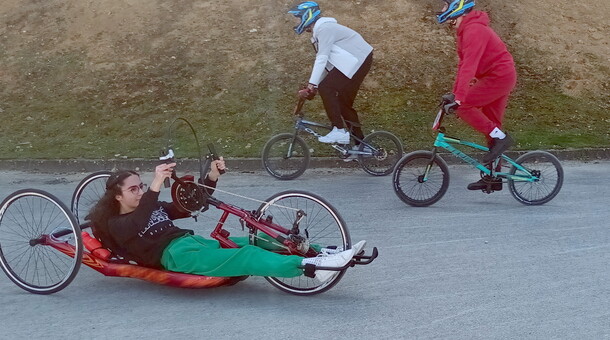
x=331, y=251
x=336, y=260
x=335, y=136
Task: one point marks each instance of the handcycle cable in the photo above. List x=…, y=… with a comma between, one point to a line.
x=202, y=167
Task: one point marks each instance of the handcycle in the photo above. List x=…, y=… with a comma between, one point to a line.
x=37, y=230
x=286, y=156
x=421, y=178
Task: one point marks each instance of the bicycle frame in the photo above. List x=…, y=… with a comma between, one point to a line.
x=446, y=142
x=306, y=126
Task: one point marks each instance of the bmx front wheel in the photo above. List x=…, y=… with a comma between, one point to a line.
x=421, y=178
x=87, y=193
x=322, y=226
x=28, y=218
x=285, y=156
x=547, y=173
x=385, y=151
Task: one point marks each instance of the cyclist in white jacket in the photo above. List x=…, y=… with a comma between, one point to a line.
x=343, y=59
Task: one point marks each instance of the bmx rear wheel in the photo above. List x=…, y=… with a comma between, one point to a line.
x=413, y=186
x=548, y=172
x=387, y=152
x=322, y=226
x=27, y=217
x=285, y=156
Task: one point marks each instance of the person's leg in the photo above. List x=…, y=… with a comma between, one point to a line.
x=491, y=94
x=197, y=255
x=347, y=96
x=329, y=92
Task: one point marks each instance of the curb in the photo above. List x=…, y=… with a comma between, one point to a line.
x=242, y=164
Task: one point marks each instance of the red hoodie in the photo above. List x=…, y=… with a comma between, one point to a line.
x=482, y=54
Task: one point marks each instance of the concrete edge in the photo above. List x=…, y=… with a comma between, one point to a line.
x=239, y=164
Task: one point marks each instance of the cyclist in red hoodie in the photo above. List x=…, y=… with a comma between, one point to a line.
x=486, y=75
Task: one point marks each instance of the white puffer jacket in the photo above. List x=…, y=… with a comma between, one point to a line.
x=337, y=46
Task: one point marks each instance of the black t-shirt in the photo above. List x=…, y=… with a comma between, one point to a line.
x=144, y=233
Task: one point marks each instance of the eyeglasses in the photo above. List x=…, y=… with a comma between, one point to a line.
x=135, y=189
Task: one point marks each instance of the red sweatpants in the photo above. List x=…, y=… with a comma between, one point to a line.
x=485, y=103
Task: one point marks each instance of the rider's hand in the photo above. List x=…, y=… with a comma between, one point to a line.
x=450, y=105
x=309, y=92
x=448, y=98
x=215, y=168
x=162, y=171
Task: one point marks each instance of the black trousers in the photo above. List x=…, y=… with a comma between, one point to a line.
x=338, y=93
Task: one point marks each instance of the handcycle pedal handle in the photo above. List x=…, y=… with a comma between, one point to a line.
x=214, y=156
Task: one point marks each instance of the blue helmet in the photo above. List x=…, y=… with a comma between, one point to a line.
x=309, y=12
x=456, y=9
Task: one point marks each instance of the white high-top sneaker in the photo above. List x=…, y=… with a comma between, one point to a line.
x=335, y=136
x=335, y=260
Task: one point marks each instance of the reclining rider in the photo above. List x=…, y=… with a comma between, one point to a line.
x=142, y=227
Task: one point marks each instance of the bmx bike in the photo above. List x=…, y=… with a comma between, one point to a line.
x=37, y=230
x=286, y=156
x=421, y=178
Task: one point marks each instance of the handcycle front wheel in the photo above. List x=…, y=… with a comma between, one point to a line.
x=285, y=156
x=548, y=172
x=416, y=187
x=27, y=218
x=88, y=192
x=387, y=152
x=322, y=225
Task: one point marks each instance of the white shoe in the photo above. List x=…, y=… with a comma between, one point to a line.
x=331, y=251
x=335, y=136
x=335, y=260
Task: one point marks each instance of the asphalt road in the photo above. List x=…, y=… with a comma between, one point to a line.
x=473, y=266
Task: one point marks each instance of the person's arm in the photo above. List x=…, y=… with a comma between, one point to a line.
x=473, y=46
x=326, y=39
x=212, y=176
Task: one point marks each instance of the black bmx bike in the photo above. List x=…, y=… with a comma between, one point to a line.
x=286, y=155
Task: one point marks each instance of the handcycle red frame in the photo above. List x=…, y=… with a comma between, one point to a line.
x=53, y=273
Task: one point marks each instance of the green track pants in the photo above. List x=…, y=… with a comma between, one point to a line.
x=194, y=254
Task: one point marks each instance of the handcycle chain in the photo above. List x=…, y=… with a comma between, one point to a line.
x=245, y=197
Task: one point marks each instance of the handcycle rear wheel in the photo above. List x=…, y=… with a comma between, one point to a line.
x=410, y=185
x=322, y=225
x=26, y=216
x=388, y=152
x=546, y=168
x=282, y=164
x=88, y=192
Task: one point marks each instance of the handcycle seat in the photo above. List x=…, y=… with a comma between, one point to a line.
x=120, y=267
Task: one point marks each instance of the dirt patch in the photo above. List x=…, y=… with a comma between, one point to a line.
x=225, y=38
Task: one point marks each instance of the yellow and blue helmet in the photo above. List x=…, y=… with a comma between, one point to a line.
x=309, y=12
x=456, y=9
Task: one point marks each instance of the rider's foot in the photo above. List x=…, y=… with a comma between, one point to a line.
x=498, y=147
x=335, y=260
x=353, y=156
x=335, y=250
x=339, y=136
x=496, y=184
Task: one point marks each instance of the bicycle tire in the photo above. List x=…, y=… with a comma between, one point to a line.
x=549, y=182
x=320, y=222
x=389, y=152
x=87, y=193
x=408, y=179
x=25, y=216
x=276, y=160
